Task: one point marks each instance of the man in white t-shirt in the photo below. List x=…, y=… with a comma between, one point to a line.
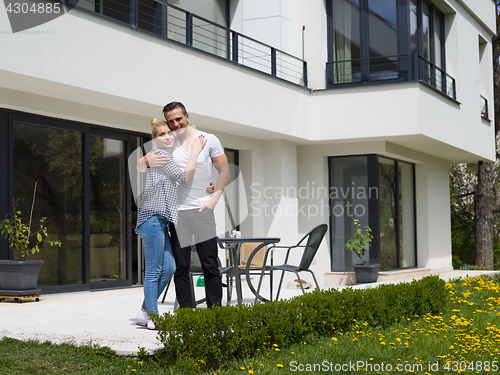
x=196, y=208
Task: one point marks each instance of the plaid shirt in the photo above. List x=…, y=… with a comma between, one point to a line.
x=160, y=193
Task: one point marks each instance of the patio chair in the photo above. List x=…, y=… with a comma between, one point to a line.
x=314, y=238
x=195, y=269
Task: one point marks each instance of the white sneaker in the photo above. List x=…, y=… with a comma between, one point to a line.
x=142, y=316
x=151, y=325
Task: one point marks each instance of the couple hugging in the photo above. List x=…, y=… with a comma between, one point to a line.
x=176, y=210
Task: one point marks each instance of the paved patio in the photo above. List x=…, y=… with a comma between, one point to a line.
x=107, y=317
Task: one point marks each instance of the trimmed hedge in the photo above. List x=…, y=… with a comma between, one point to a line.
x=207, y=338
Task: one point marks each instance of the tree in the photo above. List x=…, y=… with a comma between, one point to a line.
x=475, y=195
x=488, y=176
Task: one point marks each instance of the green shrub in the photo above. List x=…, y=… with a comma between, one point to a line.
x=201, y=339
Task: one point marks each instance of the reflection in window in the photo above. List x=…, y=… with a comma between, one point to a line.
x=346, y=40
x=438, y=42
x=383, y=36
x=406, y=215
x=374, y=40
x=53, y=159
x=397, y=214
x=364, y=41
x=387, y=214
x=349, y=195
x=379, y=192
x=413, y=26
x=426, y=32
x=231, y=195
x=107, y=209
x=116, y=9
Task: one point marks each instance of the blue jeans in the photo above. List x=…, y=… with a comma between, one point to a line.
x=158, y=258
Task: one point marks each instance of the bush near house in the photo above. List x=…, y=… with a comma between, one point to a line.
x=203, y=339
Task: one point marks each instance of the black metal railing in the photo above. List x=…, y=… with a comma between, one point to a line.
x=384, y=68
x=174, y=23
x=389, y=69
x=484, y=107
x=429, y=73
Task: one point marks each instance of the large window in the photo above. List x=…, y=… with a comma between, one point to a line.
x=107, y=209
x=364, y=40
x=83, y=188
x=427, y=44
x=349, y=200
x=386, y=40
x=231, y=194
x=378, y=192
x=52, y=159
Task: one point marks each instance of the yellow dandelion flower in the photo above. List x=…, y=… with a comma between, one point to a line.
x=250, y=371
x=242, y=368
x=279, y=365
x=334, y=338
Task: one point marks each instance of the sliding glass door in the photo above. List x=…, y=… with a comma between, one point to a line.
x=379, y=192
x=75, y=175
x=107, y=209
x=50, y=160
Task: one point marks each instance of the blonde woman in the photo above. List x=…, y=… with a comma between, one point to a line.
x=158, y=207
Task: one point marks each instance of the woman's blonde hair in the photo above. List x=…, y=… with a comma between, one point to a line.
x=155, y=123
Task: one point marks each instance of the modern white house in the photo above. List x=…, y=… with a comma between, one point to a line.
x=332, y=110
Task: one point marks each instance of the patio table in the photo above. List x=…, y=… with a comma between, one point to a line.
x=234, y=245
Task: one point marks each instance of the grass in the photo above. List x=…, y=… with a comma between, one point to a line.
x=464, y=338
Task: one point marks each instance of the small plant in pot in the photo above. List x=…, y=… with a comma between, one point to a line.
x=359, y=244
x=19, y=277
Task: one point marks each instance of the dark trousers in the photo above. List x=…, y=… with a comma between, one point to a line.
x=199, y=228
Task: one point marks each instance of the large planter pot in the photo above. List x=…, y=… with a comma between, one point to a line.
x=366, y=273
x=17, y=275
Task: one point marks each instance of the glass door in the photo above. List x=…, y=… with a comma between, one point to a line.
x=48, y=180
x=108, y=260
x=231, y=194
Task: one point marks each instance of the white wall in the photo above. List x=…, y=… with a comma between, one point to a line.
x=483, y=11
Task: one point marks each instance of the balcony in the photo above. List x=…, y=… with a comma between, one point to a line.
x=386, y=69
x=178, y=25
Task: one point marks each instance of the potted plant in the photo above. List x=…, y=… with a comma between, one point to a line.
x=360, y=243
x=19, y=277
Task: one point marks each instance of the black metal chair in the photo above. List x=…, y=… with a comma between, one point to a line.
x=314, y=238
x=195, y=269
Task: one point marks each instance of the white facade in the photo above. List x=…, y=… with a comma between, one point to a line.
x=88, y=69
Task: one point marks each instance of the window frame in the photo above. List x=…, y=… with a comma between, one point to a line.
x=404, y=41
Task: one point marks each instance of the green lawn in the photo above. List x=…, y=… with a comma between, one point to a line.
x=464, y=338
